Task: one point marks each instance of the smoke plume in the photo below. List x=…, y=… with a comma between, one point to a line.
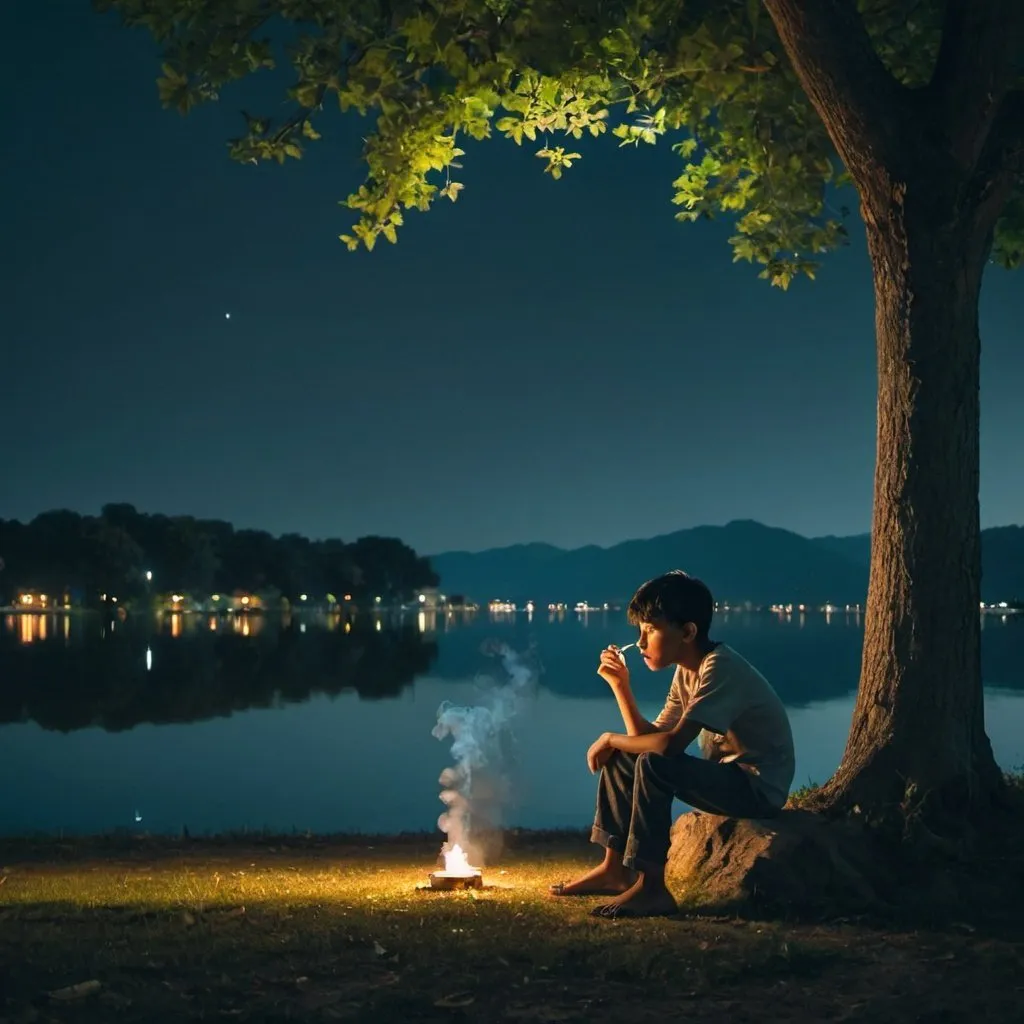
x=475, y=787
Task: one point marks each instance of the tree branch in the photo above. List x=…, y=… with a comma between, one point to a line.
x=1001, y=163
x=862, y=106
x=974, y=70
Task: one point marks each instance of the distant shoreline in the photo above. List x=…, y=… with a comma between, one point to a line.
x=16, y=610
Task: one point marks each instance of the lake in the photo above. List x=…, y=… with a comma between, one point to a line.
x=315, y=723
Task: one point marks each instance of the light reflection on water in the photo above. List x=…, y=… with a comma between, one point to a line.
x=340, y=757
x=33, y=627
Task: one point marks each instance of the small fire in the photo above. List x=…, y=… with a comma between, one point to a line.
x=458, y=872
x=457, y=863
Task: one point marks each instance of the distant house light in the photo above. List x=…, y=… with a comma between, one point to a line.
x=348, y=597
x=215, y=597
x=245, y=600
x=303, y=597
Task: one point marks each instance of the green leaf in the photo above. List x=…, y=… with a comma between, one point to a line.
x=754, y=15
x=451, y=190
x=308, y=94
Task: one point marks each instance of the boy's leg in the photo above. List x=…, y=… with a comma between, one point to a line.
x=611, y=829
x=723, y=789
x=614, y=811
x=657, y=780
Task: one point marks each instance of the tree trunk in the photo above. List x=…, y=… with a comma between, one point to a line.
x=933, y=167
x=918, y=739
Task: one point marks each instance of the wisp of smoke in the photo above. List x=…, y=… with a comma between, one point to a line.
x=473, y=786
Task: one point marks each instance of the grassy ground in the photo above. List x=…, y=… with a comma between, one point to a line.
x=336, y=929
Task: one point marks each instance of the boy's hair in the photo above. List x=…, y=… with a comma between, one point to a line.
x=676, y=598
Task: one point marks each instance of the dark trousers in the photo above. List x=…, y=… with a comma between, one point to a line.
x=635, y=793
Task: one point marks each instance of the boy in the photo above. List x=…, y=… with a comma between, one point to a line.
x=748, y=760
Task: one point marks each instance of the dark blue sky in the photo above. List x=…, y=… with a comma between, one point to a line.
x=556, y=361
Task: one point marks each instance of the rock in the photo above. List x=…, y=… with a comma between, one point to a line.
x=79, y=991
x=798, y=862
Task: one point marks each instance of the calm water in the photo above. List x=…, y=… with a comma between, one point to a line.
x=310, y=724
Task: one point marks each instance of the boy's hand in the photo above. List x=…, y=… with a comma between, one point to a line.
x=612, y=669
x=599, y=752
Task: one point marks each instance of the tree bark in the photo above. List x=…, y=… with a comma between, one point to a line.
x=918, y=739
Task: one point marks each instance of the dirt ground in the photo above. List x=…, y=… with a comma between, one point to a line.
x=337, y=928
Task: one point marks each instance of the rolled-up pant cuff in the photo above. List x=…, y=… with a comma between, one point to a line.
x=629, y=848
x=607, y=839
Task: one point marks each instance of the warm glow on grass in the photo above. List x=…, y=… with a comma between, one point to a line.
x=253, y=911
x=360, y=880
x=292, y=927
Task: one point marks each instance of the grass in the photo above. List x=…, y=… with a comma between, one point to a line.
x=337, y=929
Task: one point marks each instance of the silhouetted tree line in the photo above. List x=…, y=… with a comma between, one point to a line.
x=62, y=551
x=103, y=681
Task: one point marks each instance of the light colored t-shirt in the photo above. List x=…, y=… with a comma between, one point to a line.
x=742, y=717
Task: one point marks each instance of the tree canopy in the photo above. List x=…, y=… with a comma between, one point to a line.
x=708, y=75
x=62, y=551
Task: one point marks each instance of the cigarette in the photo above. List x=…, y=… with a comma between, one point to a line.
x=627, y=647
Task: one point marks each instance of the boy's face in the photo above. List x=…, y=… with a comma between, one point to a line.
x=663, y=644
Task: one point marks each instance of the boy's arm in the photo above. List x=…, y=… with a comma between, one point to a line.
x=612, y=669
x=635, y=723
x=674, y=741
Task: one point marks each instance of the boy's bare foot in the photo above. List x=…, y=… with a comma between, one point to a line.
x=601, y=881
x=640, y=900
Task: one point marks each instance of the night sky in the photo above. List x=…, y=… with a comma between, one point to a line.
x=554, y=361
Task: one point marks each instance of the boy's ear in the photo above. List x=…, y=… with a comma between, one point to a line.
x=690, y=632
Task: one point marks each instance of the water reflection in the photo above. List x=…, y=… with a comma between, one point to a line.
x=322, y=681
x=178, y=671
x=805, y=657
x=37, y=627
x=68, y=672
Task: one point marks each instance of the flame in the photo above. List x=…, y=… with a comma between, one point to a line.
x=456, y=862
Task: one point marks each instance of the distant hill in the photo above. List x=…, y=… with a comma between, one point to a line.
x=741, y=561
x=857, y=548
